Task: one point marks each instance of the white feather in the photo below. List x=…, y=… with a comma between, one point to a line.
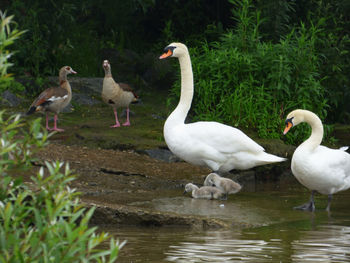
x=54, y=98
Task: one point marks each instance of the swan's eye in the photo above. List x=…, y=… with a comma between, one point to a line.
x=168, y=52
x=290, y=120
x=289, y=125
x=169, y=48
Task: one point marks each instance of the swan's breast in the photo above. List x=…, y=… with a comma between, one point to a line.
x=181, y=144
x=184, y=143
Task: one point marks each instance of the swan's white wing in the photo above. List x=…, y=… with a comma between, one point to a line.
x=222, y=137
x=327, y=158
x=333, y=169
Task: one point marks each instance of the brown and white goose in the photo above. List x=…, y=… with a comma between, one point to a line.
x=117, y=95
x=54, y=99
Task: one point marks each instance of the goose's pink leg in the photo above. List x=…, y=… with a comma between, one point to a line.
x=55, y=125
x=117, y=124
x=127, y=123
x=47, y=122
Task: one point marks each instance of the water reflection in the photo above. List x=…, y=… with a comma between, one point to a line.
x=291, y=242
x=328, y=243
x=289, y=235
x=237, y=211
x=223, y=247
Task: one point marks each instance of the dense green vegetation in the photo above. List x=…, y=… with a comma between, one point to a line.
x=247, y=82
x=46, y=221
x=8, y=35
x=43, y=221
x=253, y=60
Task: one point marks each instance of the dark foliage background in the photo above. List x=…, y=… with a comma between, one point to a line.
x=133, y=33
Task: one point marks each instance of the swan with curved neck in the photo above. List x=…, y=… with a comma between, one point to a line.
x=317, y=167
x=214, y=145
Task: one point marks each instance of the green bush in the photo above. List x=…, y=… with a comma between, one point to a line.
x=243, y=81
x=42, y=221
x=8, y=35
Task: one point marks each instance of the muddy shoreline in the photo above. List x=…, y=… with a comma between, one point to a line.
x=119, y=182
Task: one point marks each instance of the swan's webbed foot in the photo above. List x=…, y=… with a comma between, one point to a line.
x=309, y=206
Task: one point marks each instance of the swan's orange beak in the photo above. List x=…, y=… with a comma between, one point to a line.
x=166, y=54
x=288, y=126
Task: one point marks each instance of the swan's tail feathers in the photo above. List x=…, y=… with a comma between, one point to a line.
x=344, y=148
x=270, y=158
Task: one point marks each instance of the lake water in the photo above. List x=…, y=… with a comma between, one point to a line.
x=278, y=233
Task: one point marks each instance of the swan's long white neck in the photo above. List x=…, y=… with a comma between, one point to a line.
x=179, y=114
x=317, y=130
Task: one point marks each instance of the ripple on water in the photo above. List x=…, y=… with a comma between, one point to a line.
x=329, y=243
x=295, y=237
x=223, y=247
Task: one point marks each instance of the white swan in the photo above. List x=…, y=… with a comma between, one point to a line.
x=212, y=144
x=317, y=167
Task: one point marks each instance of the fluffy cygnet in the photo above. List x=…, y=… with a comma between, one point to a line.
x=205, y=192
x=226, y=185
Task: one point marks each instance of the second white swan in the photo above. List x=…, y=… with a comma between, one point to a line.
x=317, y=167
x=206, y=143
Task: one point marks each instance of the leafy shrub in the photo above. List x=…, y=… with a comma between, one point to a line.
x=243, y=81
x=8, y=35
x=43, y=221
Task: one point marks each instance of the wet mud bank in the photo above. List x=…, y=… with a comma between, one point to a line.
x=129, y=187
x=112, y=214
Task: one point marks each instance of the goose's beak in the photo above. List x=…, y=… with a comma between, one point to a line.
x=288, y=126
x=166, y=54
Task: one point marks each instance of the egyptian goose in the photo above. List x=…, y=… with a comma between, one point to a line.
x=117, y=94
x=226, y=185
x=205, y=192
x=317, y=167
x=217, y=146
x=54, y=99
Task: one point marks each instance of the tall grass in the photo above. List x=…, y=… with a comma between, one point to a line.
x=243, y=81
